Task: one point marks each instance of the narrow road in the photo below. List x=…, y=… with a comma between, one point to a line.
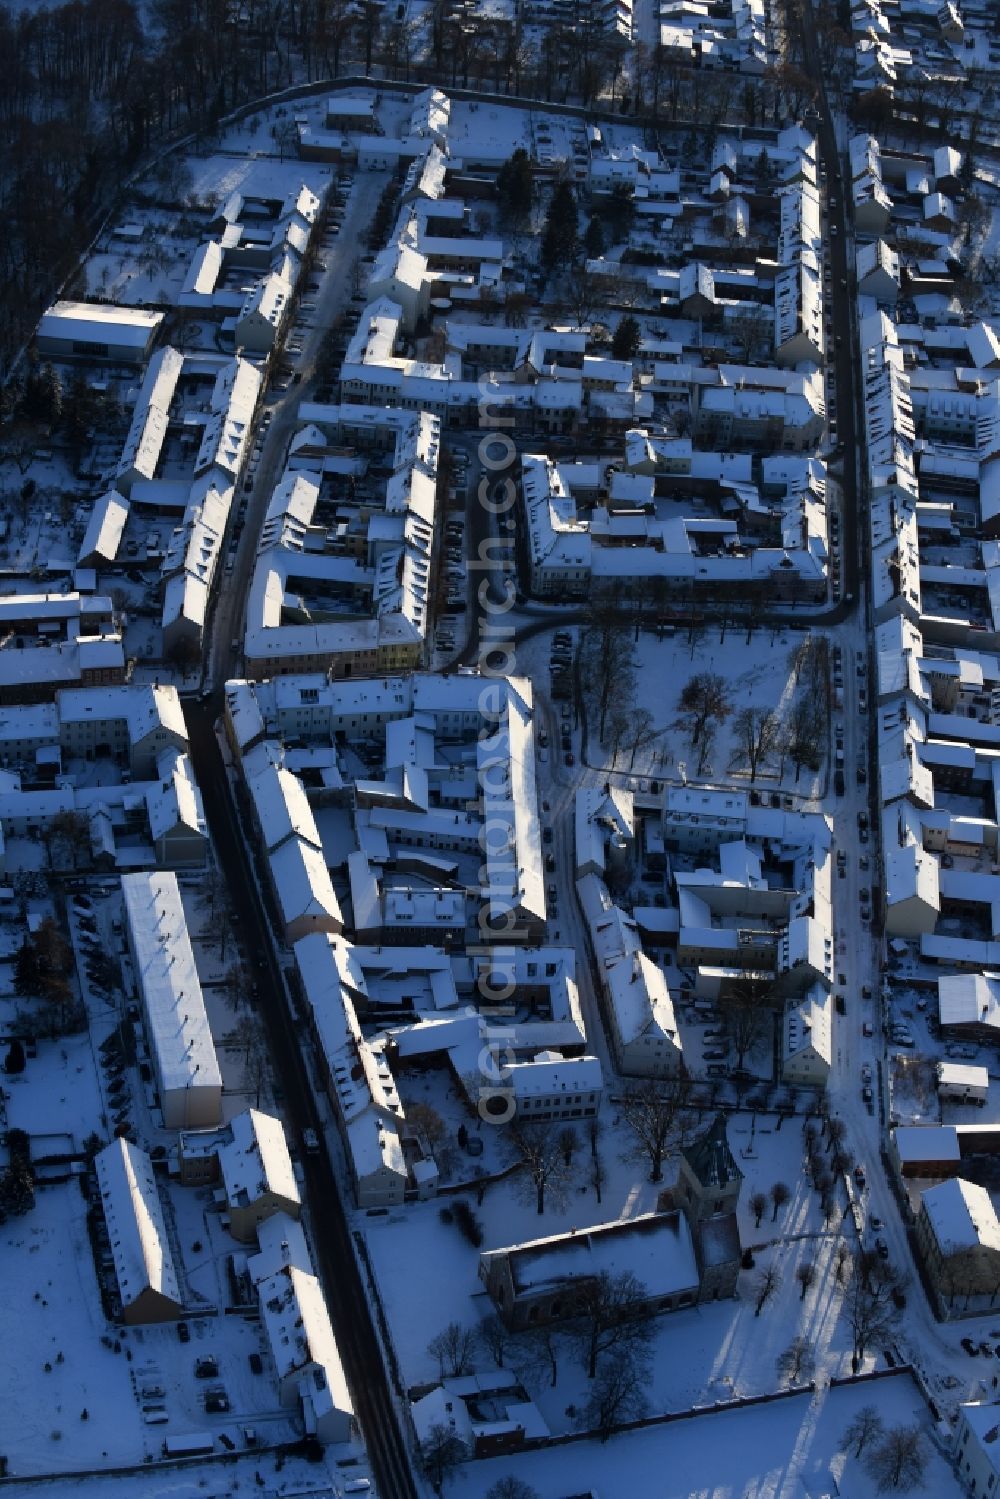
x=338, y=1268
x=227, y=620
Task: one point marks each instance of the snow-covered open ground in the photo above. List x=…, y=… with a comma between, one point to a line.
x=784, y=1450
x=756, y=673
x=50, y=1289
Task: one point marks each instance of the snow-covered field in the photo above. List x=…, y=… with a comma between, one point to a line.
x=783, y=1450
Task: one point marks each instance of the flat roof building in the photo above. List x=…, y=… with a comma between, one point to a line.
x=97, y=330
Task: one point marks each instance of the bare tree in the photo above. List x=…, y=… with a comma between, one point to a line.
x=510, y=1487
x=802, y=734
x=426, y=1123
x=871, y=1309
x=805, y=1274
x=841, y=1262
x=452, y=1347
x=641, y=732
x=234, y=983
x=493, y=1337
x=797, y=1363
x=766, y=1285
x=613, y=1314
x=780, y=1194
x=654, y=1113
x=537, y=1349
x=606, y=654
x=441, y=1453
x=750, y=329
x=598, y=1175
x=567, y=1140
x=756, y=731
x=704, y=700
x=758, y=1205
x=618, y=1394
x=746, y=1006
x=865, y=1427
x=899, y=1459
x=544, y=1164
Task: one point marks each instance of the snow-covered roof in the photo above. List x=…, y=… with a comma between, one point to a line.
x=961, y=1217
x=302, y=882
x=656, y=1248
x=131, y=1203
x=962, y=1075
x=145, y=708
x=299, y=1332
x=969, y=999
x=100, y=323
x=281, y=1241
x=255, y=1162
x=174, y=799
x=919, y=1142
x=177, y=1024
x=103, y=535
x=282, y=807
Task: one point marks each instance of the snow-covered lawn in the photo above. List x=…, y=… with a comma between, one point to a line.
x=782, y=1450
x=54, y=1307
x=57, y=1093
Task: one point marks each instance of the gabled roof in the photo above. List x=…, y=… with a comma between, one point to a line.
x=134, y=1218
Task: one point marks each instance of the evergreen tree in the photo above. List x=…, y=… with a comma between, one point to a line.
x=14, y=1060
x=628, y=336
x=27, y=977
x=561, y=233
x=514, y=186
x=621, y=209
x=595, y=239
x=43, y=395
